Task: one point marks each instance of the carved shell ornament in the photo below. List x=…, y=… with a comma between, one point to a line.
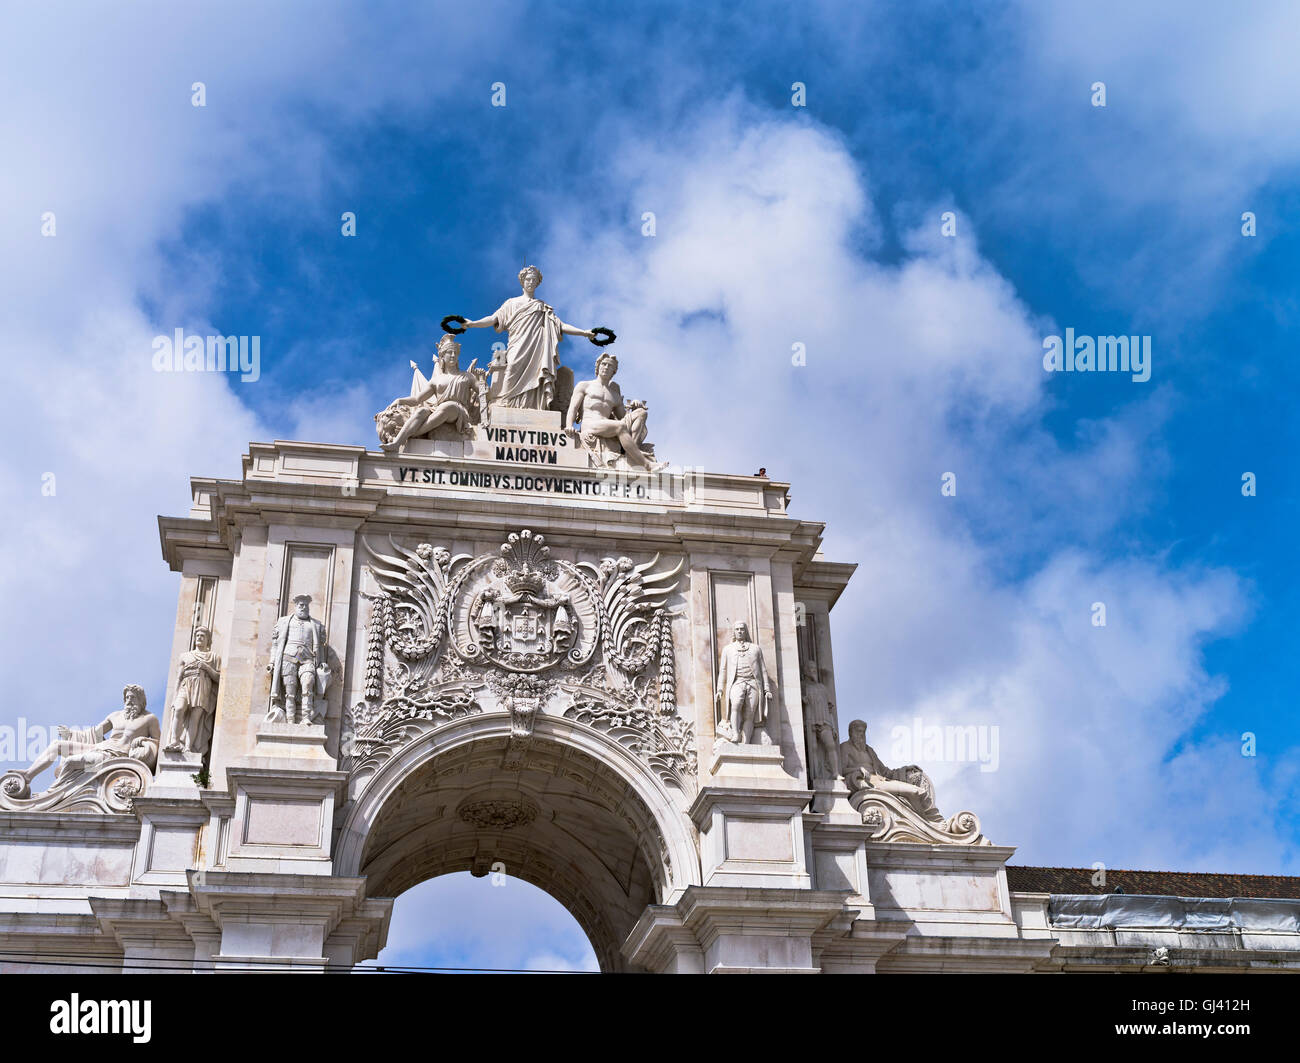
x=892, y=819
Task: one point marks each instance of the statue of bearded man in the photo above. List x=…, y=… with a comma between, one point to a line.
x=298, y=665
x=864, y=770
x=128, y=732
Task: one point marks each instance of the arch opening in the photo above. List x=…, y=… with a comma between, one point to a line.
x=569, y=819
x=458, y=922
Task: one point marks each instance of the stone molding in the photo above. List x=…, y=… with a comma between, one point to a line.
x=734, y=930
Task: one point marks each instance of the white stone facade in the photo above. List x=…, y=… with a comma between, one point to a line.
x=548, y=733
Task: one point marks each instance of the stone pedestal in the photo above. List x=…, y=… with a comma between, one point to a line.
x=150, y=939
x=831, y=796
x=295, y=741
x=283, y=815
x=509, y=417
x=287, y=922
x=443, y=444
x=750, y=820
x=750, y=766
x=174, y=775
x=172, y=818
x=170, y=828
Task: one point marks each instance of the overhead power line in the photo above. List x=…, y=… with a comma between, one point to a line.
x=88, y=960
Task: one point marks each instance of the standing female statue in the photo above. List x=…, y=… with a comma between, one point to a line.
x=527, y=379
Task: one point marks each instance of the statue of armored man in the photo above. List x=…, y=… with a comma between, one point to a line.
x=744, y=690
x=299, y=671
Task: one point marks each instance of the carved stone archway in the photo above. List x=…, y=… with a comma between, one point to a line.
x=581, y=819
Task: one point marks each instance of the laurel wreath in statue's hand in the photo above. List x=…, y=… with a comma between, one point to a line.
x=602, y=337
x=454, y=317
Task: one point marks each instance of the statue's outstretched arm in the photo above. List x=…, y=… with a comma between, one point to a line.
x=573, y=330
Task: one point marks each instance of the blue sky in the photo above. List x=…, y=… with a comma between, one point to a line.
x=775, y=225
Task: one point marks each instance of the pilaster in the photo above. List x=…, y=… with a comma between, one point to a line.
x=287, y=922
x=731, y=930
x=750, y=821
x=283, y=816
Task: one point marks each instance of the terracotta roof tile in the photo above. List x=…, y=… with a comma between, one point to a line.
x=1158, y=883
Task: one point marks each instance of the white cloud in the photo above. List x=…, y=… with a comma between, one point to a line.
x=552, y=962
x=100, y=130
x=914, y=369
x=1202, y=113
x=766, y=232
x=1206, y=76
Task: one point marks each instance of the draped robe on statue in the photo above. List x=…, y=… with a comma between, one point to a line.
x=456, y=386
x=528, y=380
x=195, y=692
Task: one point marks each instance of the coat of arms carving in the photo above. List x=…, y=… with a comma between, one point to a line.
x=526, y=617
x=516, y=630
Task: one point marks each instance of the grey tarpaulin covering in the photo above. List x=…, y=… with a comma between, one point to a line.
x=1089, y=911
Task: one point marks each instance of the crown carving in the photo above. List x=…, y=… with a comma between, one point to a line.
x=525, y=563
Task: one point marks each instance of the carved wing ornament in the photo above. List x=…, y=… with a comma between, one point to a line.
x=632, y=601
x=417, y=587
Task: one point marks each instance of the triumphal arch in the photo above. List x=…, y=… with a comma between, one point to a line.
x=512, y=636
